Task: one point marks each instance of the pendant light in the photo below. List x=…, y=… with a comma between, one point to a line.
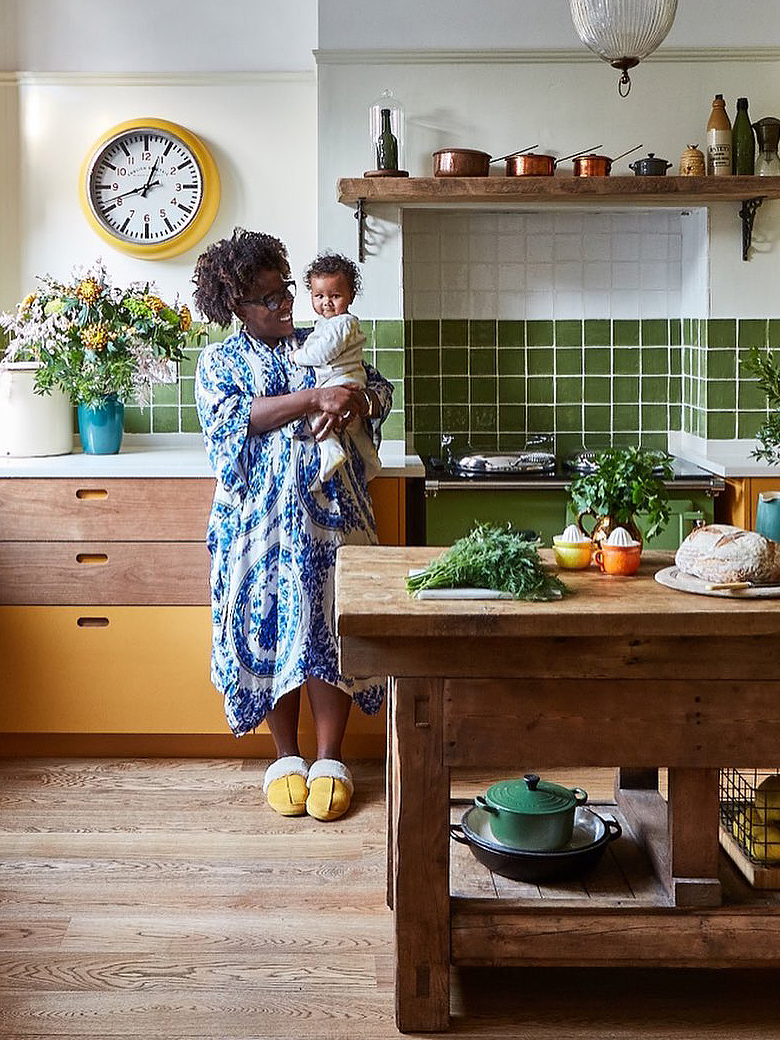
x=623, y=32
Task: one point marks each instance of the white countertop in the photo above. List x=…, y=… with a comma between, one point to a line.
x=724, y=458
x=168, y=455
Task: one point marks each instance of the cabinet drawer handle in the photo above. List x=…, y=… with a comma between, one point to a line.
x=92, y=622
x=91, y=557
x=87, y=493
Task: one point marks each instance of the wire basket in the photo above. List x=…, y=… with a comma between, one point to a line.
x=750, y=813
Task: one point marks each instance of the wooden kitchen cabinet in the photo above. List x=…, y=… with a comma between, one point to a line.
x=739, y=502
x=105, y=622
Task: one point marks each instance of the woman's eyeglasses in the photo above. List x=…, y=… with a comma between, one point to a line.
x=273, y=301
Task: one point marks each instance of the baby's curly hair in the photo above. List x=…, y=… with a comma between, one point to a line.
x=334, y=263
x=225, y=272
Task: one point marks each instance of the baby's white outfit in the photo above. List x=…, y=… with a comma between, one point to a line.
x=335, y=350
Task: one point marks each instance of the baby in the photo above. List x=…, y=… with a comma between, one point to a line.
x=335, y=350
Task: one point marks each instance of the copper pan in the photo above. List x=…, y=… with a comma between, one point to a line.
x=536, y=164
x=460, y=162
x=597, y=165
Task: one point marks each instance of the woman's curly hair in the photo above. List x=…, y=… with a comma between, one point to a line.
x=334, y=263
x=225, y=273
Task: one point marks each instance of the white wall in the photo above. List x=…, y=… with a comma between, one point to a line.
x=498, y=106
x=526, y=24
x=260, y=129
x=240, y=74
x=157, y=35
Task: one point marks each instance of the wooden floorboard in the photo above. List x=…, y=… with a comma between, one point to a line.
x=162, y=899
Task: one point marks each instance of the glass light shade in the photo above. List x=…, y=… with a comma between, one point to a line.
x=386, y=100
x=623, y=32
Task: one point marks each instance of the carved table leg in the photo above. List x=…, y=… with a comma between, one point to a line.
x=421, y=897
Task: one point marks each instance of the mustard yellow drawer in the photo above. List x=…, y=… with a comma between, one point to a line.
x=121, y=573
x=107, y=670
x=155, y=509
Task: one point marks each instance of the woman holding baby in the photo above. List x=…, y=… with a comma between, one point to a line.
x=278, y=515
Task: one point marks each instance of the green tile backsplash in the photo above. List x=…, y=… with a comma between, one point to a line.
x=497, y=382
x=494, y=383
x=172, y=409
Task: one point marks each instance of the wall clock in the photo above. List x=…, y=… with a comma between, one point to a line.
x=150, y=188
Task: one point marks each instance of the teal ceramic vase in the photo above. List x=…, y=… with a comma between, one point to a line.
x=101, y=428
x=768, y=515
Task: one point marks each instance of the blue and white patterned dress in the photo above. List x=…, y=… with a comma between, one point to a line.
x=274, y=531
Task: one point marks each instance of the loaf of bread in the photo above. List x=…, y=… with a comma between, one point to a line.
x=720, y=553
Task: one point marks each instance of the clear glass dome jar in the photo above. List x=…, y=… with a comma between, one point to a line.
x=386, y=115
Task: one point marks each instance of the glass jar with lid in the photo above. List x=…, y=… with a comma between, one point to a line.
x=386, y=127
x=767, y=135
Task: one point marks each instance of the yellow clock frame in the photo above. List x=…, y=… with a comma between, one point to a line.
x=207, y=210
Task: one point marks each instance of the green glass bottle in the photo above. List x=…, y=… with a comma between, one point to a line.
x=743, y=142
x=387, y=145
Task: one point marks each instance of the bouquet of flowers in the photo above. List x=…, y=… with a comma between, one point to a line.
x=95, y=341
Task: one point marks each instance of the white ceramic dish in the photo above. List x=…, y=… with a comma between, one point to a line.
x=673, y=578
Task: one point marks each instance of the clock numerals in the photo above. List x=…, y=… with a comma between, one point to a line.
x=137, y=167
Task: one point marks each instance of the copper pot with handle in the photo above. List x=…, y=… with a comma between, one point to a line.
x=597, y=165
x=535, y=164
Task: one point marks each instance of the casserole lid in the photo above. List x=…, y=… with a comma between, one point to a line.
x=531, y=796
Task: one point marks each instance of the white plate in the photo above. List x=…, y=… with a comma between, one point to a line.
x=457, y=593
x=673, y=578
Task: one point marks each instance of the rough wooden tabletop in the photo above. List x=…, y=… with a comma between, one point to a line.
x=371, y=600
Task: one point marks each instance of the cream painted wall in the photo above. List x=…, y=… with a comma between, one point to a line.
x=9, y=191
x=260, y=128
x=563, y=105
x=526, y=24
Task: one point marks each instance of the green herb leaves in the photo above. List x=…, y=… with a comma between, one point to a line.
x=628, y=481
x=766, y=366
x=491, y=557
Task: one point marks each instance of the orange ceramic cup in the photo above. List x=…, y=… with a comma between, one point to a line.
x=618, y=559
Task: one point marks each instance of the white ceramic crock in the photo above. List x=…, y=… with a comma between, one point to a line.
x=32, y=424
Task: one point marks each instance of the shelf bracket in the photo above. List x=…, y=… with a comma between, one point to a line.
x=360, y=217
x=747, y=215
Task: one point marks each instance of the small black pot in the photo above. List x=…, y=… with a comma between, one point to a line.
x=650, y=166
x=518, y=865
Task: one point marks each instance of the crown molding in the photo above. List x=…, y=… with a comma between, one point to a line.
x=153, y=79
x=576, y=56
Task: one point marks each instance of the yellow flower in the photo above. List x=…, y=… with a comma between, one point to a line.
x=28, y=301
x=185, y=319
x=94, y=337
x=154, y=303
x=88, y=290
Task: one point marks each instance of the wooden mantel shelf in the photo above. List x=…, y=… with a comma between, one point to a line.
x=585, y=190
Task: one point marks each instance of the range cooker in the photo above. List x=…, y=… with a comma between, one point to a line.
x=530, y=489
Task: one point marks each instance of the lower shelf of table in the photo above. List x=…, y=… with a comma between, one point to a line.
x=618, y=914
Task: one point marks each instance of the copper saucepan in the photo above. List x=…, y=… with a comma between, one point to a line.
x=597, y=165
x=536, y=164
x=465, y=162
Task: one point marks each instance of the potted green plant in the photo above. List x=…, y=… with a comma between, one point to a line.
x=626, y=482
x=766, y=367
x=98, y=344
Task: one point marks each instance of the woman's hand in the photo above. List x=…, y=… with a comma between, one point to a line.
x=338, y=406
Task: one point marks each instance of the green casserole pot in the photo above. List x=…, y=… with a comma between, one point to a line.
x=531, y=814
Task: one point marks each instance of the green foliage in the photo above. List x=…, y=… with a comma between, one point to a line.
x=628, y=481
x=93, y=340
x=766, y=367
x=491, y=557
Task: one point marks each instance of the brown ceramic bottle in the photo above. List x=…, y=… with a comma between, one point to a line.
x=719, y=140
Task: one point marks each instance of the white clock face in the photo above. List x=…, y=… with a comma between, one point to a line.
x=145, y=186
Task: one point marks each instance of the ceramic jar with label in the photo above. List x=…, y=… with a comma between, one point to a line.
x=719, y=145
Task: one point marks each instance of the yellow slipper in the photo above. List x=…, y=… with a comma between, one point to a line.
x=330, y=789
x=284, y=785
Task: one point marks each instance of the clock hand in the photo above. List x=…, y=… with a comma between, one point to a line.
x=152, y=172
x=134, y=191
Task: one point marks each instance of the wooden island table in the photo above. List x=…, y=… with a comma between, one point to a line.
x=623, y=673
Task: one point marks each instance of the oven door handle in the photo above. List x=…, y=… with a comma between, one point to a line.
x=434, y=486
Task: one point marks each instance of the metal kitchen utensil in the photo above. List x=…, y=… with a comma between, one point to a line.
x=510, y=155
x=537, y=164
x=598, y=165
x=461, y=162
